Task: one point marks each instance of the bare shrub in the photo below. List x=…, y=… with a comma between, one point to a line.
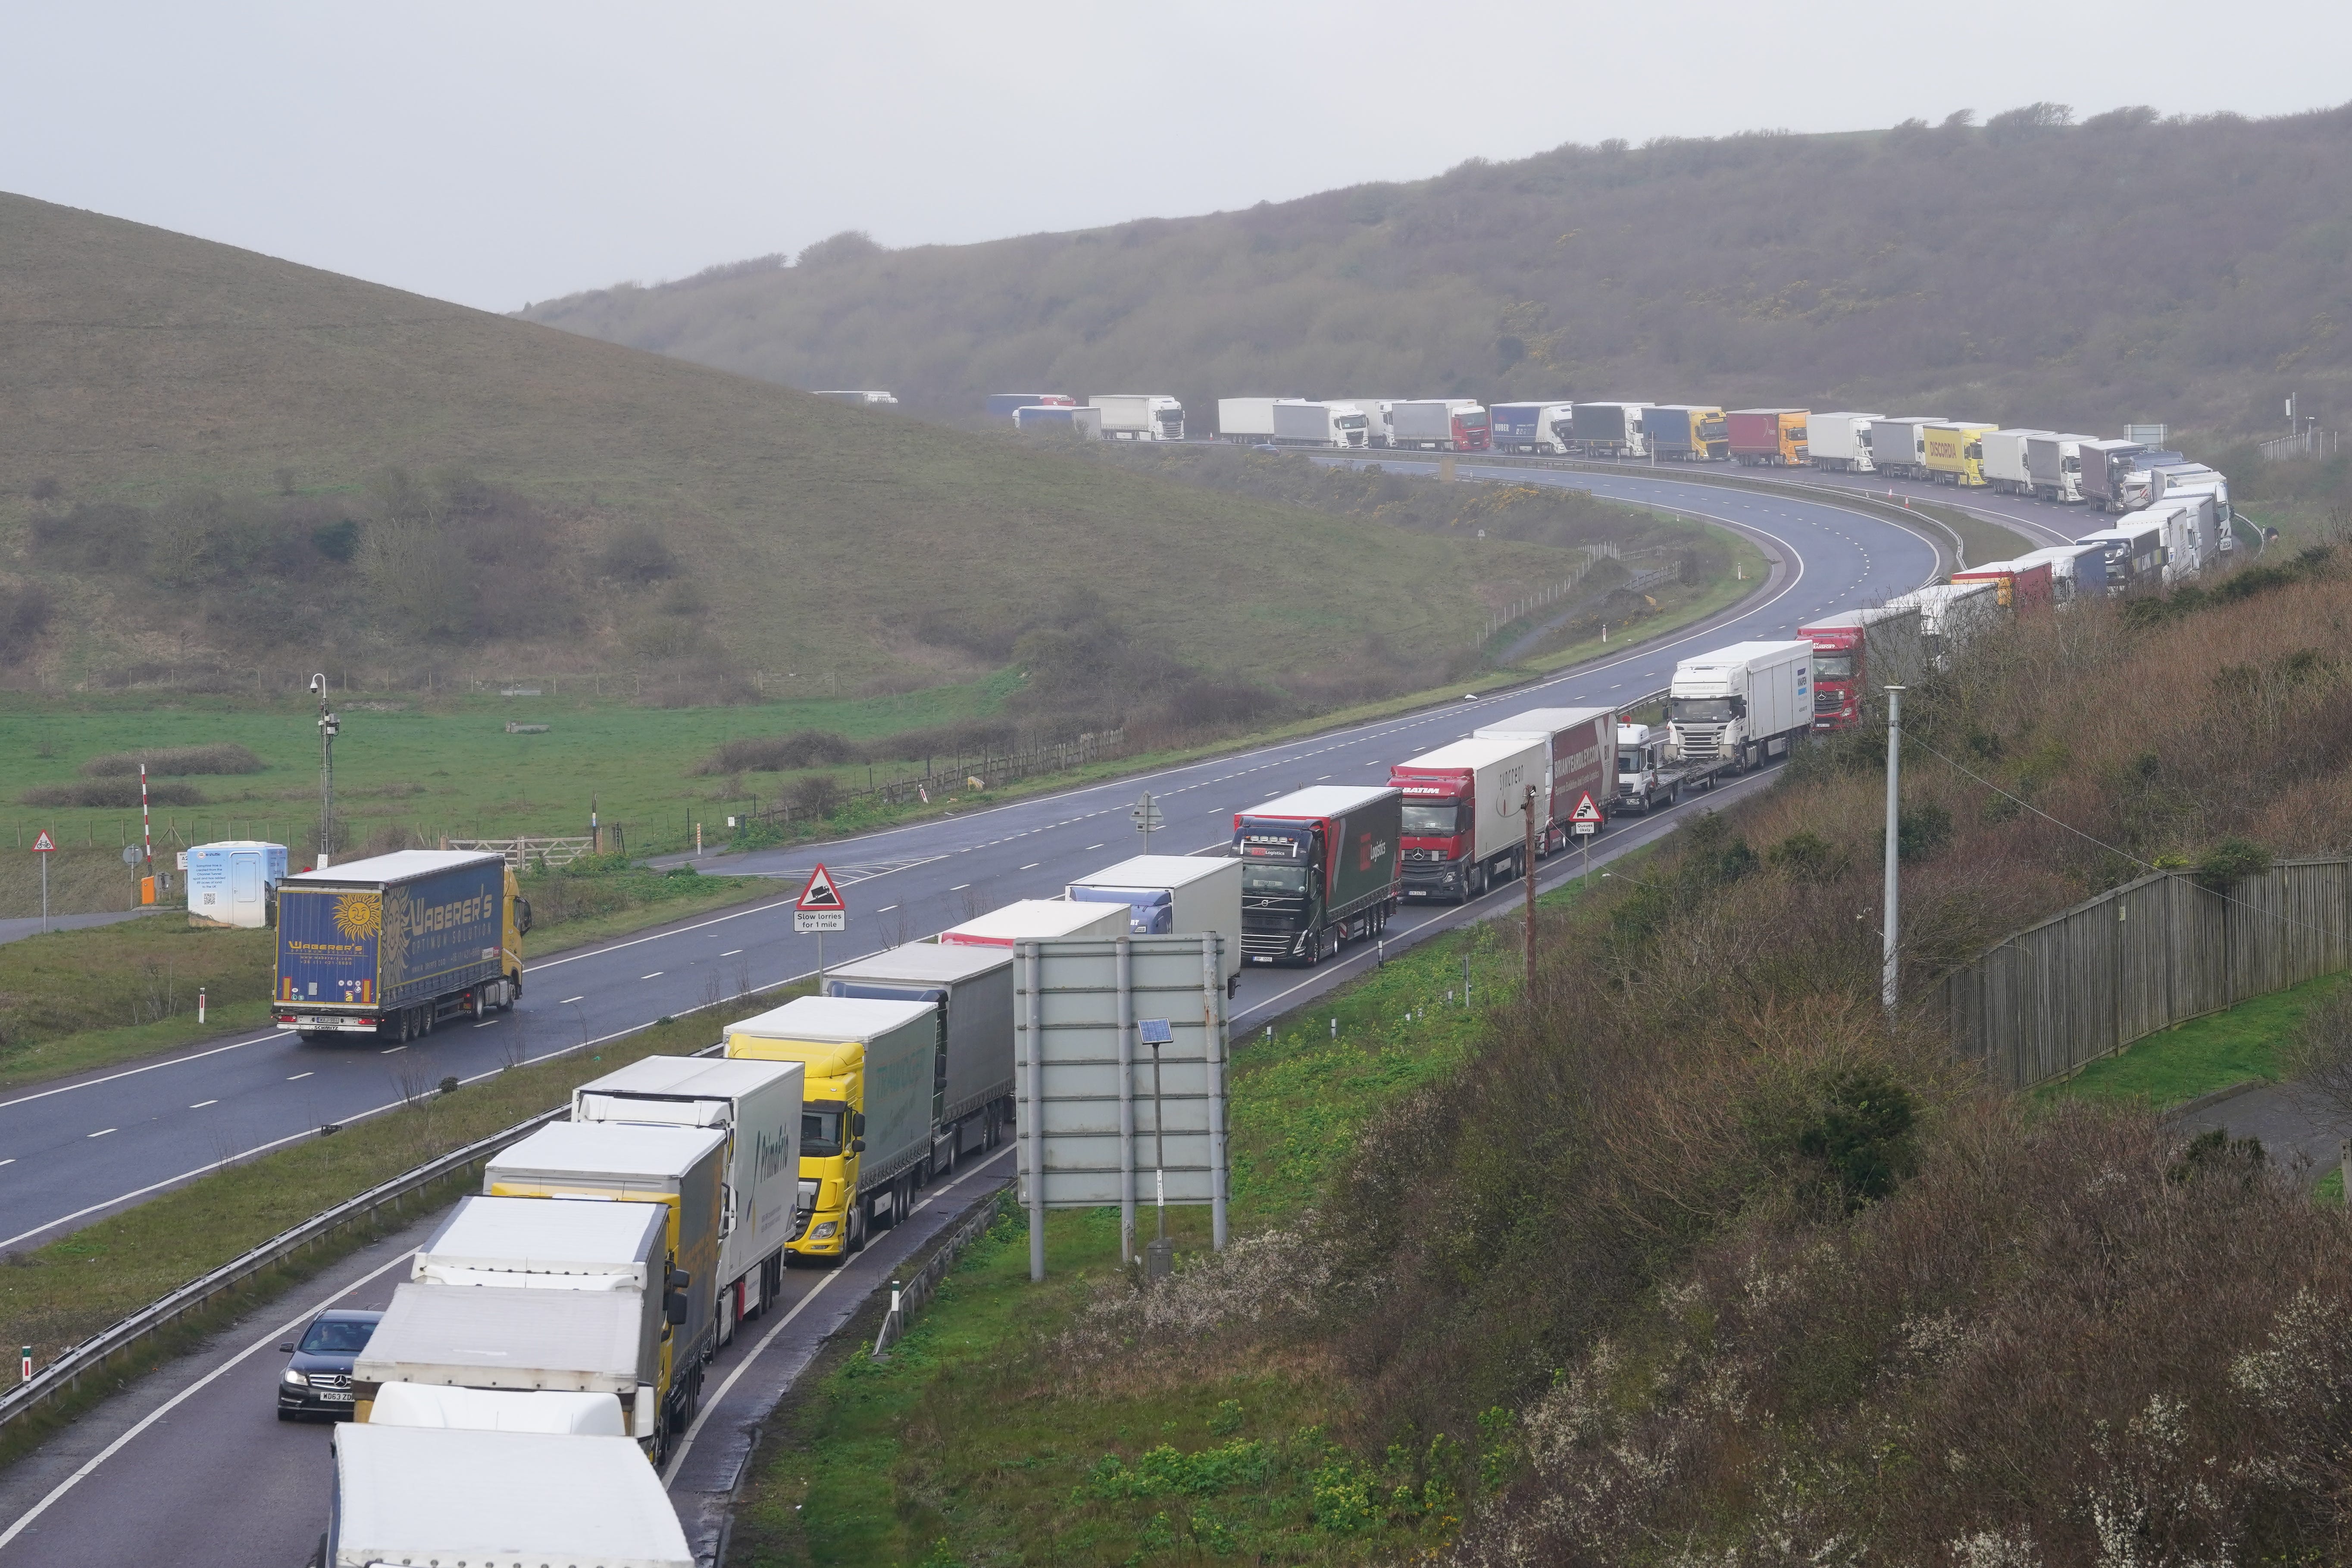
x=637, y=556
x=120, y=795
x=220, y=757
x=780, y=754
x=2319, y=1054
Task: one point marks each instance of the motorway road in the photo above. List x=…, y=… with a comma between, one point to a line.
x=190, y=1467
x=76, y=1149
x=193, y=1455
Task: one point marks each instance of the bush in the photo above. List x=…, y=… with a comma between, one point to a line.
x=2233, y=860
x=223, y=757
x=817, y=795
x=25, y=614
x=636, y=556
x=118, y=794
x=780, y=754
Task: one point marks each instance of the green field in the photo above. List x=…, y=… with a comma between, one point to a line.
x=2216, y=1051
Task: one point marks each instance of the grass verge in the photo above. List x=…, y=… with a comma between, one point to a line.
x=970, y=1444
x=2176, y=1066
x=72, y=1001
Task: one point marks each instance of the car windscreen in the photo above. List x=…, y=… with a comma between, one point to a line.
x=337, y=1336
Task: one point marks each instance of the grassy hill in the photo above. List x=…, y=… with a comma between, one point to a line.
x=226, y=470
x=2025, y=270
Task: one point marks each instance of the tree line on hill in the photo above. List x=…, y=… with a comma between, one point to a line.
x=2029, y=270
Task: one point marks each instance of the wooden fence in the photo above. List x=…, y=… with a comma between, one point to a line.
x=2144, y=957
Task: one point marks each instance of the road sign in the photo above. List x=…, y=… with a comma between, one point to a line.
x=821, y=893
x=1583, y=828
x=43, y=844
x=130, y=853
x=1585, y=811
x=821, y=907
x=1146, y=814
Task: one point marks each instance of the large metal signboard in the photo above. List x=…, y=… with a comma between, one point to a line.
x=1097, y=1124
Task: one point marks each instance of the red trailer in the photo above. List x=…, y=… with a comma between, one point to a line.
x=1584, y=742
x=2021, y=587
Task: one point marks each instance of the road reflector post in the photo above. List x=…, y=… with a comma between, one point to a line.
x=27, y=1356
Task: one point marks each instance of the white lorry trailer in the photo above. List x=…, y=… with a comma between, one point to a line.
x=1741, y=704
x=1299, y=423
x=1167, y=894
x=2053, y=466
x=1900, y=446
x=2004, y=465
x=1950, y=616
x=1035, y=919
x=972, y=989
x=1246, y=419
x=1538, y=429
x=1583, y=746
x=410, y=1494
x=1439, y=424
x=1840, y=442
x=522, y=1294
x=1140, y=417
x=758, y=1105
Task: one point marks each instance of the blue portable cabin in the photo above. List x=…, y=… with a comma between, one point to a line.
x=232, y=883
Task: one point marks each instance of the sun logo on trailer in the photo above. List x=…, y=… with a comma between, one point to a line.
x=359, y=915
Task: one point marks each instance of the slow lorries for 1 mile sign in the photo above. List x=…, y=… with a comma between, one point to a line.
x=821, y=907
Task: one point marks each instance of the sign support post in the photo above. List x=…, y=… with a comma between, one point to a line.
x=44, y=846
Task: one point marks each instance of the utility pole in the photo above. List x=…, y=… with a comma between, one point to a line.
x=1892, y=916
x=329, y=727
x=1527, y=874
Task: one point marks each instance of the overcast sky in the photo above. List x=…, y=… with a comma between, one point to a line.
x=500, y=152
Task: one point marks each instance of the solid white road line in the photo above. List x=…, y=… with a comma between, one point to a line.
x=174, y=1403
x=686, y=1444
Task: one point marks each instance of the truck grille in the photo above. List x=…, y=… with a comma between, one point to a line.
x=1827, y=701
x=1701, y=740
x=1268, y=943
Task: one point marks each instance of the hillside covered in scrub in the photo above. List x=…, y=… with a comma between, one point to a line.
x=1692, y=1253
x=224, y=471
x=2027, y=270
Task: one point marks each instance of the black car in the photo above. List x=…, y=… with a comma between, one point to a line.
x=318, y=1381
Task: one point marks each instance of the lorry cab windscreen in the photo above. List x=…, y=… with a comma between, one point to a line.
x=1474, y=421
x=1260, y=877
x=1702, y=710
x=821, y=1128
x=1833, y=666
x=1431, y=821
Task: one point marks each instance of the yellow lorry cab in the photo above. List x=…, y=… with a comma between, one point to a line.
x=873, y=1077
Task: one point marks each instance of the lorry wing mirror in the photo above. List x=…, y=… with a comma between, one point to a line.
x=726, y=1209
x=857, y=1145
x=1233, y=986
x=673, y=1308
x=681, y=1279
x=522, y=917
x=857, y=1123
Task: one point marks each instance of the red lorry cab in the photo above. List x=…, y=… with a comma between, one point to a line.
x=1837, y=671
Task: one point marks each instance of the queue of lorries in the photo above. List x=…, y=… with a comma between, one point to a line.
x=2112, y=476
x=565, y=1314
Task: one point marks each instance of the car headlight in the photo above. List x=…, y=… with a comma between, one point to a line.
x=825, y=1231
x=296, y=1380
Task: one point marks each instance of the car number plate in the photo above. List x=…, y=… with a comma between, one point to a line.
x=335, y=1396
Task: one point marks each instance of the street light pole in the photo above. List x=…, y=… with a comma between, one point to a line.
x=329, y=727
x=1893, y=914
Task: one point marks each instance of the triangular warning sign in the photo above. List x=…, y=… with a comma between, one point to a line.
x=45, y=844
x=820, y=893
x=1585, y=811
